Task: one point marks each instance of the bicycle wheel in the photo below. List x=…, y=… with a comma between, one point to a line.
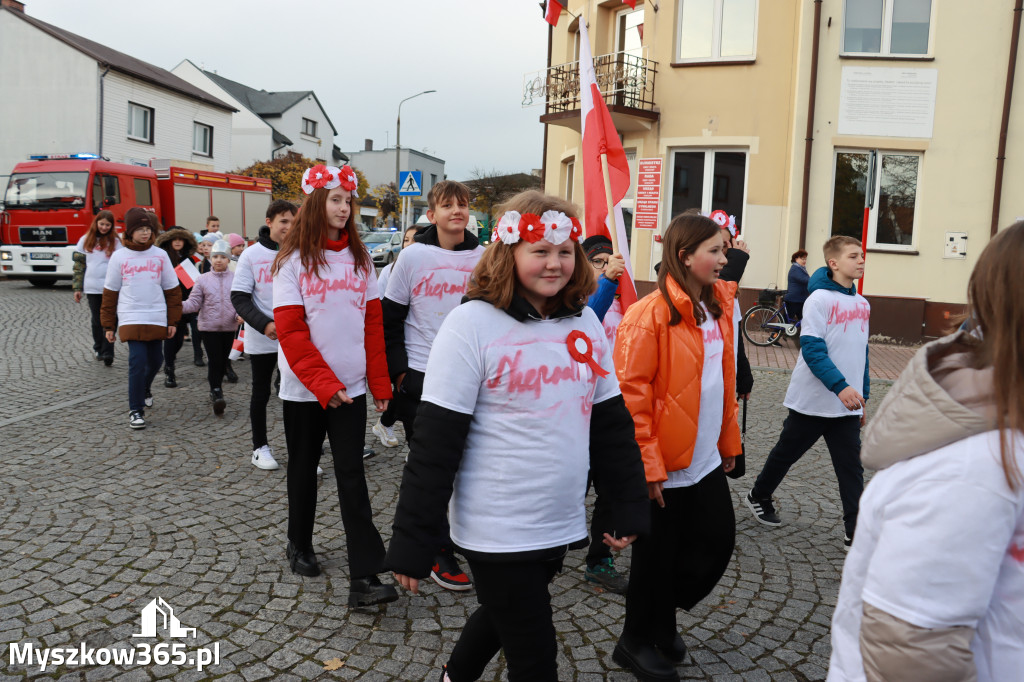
x=755, y=323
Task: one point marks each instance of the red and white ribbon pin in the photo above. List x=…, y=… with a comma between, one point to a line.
x=586, y=355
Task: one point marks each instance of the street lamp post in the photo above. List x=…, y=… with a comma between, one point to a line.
x=398, y=140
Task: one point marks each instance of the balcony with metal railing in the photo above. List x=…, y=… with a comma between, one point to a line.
x=626, y=81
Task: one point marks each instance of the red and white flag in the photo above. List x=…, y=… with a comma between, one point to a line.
x=552, y=11
x=600, y=137
x=631, y=3
x=187, y=273
x=238, y=345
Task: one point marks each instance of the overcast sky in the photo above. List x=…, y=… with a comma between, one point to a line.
x=361, y=57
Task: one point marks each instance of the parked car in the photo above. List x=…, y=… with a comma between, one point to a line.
x=383, y=246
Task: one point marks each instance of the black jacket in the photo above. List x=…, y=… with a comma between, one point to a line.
x=242, y=300
x=164, y=242
x=733, y=272
x=395, y=313
x=435, y=453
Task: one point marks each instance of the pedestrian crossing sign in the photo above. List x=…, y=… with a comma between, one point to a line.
x=410, y=183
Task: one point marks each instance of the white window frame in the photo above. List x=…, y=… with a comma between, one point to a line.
x=716, y=37
x=196, y=125
x=872, y=244
x=570, y=178
x=884, y=49
x=707, y=199
x=150, y=116
x=304, y=127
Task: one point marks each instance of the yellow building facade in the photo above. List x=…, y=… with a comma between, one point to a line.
x=906, y=107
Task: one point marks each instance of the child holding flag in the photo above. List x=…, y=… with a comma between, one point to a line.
x=180, y=245
x=519, y=403
x=211, y=299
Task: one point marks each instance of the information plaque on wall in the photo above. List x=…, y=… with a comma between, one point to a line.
x=887, y=102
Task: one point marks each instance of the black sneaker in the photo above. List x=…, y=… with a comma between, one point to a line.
x=217, y=398
x=370, y=591
x=136, y=420
x=108, y=360
x=447, y=573
x=764, y=510
x=199, y=361
x=149, y=398
x=302, y=561
x=605, y=575
x=229, y=374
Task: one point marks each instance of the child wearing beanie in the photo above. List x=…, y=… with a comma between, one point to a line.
x=237, y=244
x=142, y=300
x=211, y=298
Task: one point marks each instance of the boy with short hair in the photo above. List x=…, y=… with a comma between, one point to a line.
x=829, y=387
x=252, y=294
x=427, y=283
x=213, y=226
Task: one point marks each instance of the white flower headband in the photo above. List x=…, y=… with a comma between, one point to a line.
x=724, y=220
x=554, y=226
x=329, y=177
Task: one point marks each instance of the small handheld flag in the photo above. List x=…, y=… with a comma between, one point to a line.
x=187, y=273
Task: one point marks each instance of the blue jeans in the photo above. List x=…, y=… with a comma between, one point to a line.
x=144, y=361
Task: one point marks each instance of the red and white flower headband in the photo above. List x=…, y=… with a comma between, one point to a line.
x=329, y=177
x=725, y=220
x=554, y=226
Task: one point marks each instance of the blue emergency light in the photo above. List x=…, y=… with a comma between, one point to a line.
x=48, y=157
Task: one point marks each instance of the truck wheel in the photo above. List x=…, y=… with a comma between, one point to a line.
x=42, y=283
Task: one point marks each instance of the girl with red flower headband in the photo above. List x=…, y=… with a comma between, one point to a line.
x=519, y=403
x=329, y=325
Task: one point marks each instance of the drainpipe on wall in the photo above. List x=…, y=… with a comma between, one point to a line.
x=544, y=154
x=1004, y=125
x=809, y=137
x=99, y=134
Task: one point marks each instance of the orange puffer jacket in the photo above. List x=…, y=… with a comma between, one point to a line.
x=659, y=369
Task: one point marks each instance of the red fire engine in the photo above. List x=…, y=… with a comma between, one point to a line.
x=50, y=203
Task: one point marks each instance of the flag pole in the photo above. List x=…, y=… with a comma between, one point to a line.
x=612, y=223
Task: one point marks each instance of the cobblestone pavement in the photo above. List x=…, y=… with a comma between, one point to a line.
x=98, y=520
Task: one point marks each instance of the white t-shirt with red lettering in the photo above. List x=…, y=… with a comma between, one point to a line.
x=96, y=262
x=523, y=476
x=431, y=281
x=842, y=321
x=141, y=277
x=335, y=306
x=252, y=276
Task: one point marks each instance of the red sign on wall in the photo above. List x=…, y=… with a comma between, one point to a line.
x=648, y=194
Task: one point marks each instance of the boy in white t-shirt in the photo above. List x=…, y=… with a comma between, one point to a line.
x=426, y=284
x=829, y=387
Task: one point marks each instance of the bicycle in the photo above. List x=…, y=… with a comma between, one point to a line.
x=765, y=322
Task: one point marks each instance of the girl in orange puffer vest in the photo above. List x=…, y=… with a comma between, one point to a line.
x=674, y=357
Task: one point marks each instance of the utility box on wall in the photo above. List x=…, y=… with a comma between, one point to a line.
x=955, y=246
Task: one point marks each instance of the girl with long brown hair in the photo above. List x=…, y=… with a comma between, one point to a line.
x=519, y=403
x=674, y=356
x=933, y=587
x=328, y=318
x=91, y=256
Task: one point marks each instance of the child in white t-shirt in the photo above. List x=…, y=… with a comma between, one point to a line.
x=519, y=402
x=92, y=253
x=427, y=283
x=328, y=321
x=829, y=387
x=384, y=428
x=933, y=588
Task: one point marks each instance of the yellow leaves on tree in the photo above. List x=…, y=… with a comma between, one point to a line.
x=285, y=175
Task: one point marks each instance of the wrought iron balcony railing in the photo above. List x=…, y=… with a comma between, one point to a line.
x=625, y=80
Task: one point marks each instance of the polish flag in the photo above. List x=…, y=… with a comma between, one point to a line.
x=238, y=345
x=600, y=137
x=553, y=11
x=187, y=273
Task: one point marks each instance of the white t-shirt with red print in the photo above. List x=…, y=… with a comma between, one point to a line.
x=431, y=281
x=706, y=457
x=96, y=262
x=141, y=277
x=335, y=311
x=940, y=544
x=523, y=477
x=842, y=321
x=252, y=276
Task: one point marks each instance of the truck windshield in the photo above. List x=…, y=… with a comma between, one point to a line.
x=46, y=190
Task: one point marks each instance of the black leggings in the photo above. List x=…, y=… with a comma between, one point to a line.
x=218, y=347
x=99, y=337
x=683, y=558
x=514, y=615
x=305, y=425
x=262, y=373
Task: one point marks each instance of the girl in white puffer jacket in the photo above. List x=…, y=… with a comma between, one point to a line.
x=218, y=322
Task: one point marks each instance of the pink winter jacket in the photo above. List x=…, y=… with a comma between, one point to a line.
x=211, y=298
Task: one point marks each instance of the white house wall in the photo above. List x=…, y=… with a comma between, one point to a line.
x=174, y=116
x=251, y=136
x=48, y=96
x=378, y=166
x=290, y=125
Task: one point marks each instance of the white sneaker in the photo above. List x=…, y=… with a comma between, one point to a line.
x=319, y=472
x=263, y=458
x=386, y=434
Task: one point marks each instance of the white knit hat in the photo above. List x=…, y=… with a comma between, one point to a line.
x=221, y=247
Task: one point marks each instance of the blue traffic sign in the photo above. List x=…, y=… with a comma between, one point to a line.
x=410, y=183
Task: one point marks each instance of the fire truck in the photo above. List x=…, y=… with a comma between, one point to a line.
x=51, y=201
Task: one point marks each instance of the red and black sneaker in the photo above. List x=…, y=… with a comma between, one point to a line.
x=448, y=574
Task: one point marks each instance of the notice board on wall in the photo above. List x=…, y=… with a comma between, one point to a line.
x=887, y=102
x=648, y=194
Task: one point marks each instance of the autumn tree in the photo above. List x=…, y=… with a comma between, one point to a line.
x=388, y=203
x=488, y=189
x=285, y=175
